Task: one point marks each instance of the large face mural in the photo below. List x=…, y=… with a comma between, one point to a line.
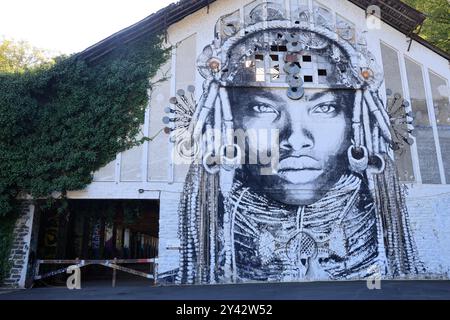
x=302, y=93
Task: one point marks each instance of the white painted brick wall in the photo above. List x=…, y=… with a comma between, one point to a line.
x=168, y=232
x=429, y=210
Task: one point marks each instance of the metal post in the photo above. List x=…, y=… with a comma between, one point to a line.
x=36, y=270
x=77, y=262
x=155, y=270
x=114, y=275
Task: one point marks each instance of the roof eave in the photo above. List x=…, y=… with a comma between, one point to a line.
x=162, y=19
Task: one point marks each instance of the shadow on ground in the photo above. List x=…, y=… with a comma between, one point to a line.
x=143, y=290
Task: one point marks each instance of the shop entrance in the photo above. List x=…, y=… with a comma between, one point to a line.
x=99, y=230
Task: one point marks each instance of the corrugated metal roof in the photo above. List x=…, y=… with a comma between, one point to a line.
x=394, y=12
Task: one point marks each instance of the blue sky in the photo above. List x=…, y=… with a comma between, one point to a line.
x=67, y=26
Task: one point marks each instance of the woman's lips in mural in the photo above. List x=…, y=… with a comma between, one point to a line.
x=299, y=170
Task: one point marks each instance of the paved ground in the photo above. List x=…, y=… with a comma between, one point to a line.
x=129, y=290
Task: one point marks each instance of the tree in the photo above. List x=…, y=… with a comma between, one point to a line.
x=436, y=28
x=62, y=121
x=19, y=56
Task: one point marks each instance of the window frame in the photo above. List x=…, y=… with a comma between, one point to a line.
x=430, y=108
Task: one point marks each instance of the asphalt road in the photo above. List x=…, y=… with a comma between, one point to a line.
x=132, y=290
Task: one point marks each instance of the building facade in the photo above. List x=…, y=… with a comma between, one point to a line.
x=305, y=140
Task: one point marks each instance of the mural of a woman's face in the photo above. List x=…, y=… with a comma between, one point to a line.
x=298, y=206
x=314, y=135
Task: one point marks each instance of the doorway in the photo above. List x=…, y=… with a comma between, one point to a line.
x=99, y=230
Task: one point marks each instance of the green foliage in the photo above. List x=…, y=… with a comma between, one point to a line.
x=436, y=28
x=6, y=239
x=61, y=123
x=19, y=56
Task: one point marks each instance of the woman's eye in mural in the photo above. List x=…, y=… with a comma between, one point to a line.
x=328, y=109
x=264, y=108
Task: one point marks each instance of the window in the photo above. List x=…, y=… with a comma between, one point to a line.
x=393, y=83
x=106, y=173
x=440, y=95
x=425, y=142
x=131, y=164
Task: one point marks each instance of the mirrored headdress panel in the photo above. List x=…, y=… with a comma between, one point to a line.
x=309, y=49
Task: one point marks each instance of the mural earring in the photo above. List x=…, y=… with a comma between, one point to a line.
x=230, y=160
x=210, y=163
x=376, y=164
x=358, y=158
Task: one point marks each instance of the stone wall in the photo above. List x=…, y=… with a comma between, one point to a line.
x=21, y=247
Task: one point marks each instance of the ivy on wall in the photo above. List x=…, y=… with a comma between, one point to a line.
x=61, y=123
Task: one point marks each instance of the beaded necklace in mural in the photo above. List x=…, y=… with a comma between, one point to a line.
x=336, y=237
